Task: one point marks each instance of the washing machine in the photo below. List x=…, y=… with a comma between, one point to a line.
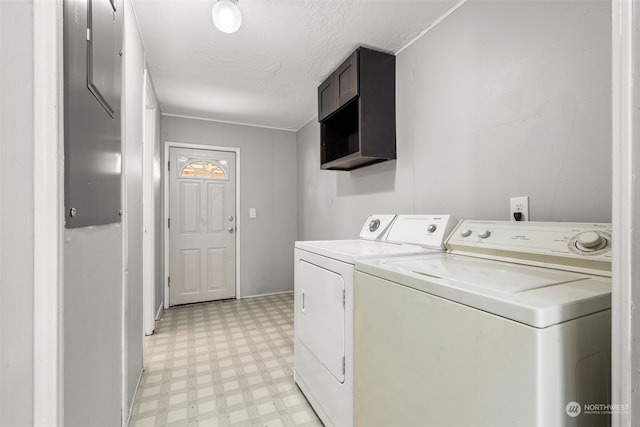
x=323, y=303
x=511, y=327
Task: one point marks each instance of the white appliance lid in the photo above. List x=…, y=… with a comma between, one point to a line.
x=539, y=297
x=350, y=251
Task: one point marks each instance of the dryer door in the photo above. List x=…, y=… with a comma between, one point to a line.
x=321, y=318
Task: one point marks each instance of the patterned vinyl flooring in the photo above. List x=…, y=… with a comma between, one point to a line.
x=225, y=363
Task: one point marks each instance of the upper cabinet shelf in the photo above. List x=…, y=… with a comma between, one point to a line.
x=357, y=112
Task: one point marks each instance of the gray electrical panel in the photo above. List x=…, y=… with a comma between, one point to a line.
x=92, y=92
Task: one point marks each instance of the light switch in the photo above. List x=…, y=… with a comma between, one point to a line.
x=252, y=212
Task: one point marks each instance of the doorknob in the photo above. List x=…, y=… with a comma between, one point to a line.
x=230, y=229
x=230, y=218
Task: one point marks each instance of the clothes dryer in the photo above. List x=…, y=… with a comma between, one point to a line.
x=510, y=328
x=323, y=303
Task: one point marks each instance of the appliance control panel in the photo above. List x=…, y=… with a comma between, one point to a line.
x=376, y=226
x=424, y=230
x=578, y=246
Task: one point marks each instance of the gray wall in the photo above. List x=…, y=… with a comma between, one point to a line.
x=500, y=99
x=93, y=313
x=16, y=213
x=93, y=326
x=132, y=118
x=267, y=183
x=93, y=277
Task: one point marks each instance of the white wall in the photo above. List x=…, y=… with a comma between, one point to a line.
x=16, y=213
x=500, y=99
x=132, y=117
x=267, y=183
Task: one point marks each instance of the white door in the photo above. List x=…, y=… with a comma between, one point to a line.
x=202, y=225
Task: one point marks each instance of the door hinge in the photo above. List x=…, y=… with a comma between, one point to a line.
x=344, y=298
x=169, y=165
x=168, y=282
x=168, y=222
x=344, y=365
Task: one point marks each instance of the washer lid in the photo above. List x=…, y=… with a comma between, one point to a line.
x=536, y=296
x=351, y=250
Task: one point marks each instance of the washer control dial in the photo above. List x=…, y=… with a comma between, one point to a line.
x=484, y=234
x=465, y=233
x=590, y=239
x=374, y=224
x=590, y=243
x=432, y=228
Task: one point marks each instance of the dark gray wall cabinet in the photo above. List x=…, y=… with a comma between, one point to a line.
x=357, y=111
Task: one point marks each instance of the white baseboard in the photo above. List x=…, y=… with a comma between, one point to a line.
x=265, y=295
x=159, y=314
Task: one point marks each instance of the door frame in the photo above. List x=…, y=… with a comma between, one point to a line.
x=165, y=177
x=149, y=137
x=48, y=214
x=625, y=193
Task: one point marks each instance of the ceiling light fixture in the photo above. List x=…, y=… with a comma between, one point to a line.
x=226, y=16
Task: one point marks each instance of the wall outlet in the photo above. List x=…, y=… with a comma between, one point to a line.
x=519, y=209
x=252, y=212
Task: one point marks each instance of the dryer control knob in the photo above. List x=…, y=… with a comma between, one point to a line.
x=465, y=233
x=431, y=228
x=590, y=239
x=374, y=224
x=484, y=234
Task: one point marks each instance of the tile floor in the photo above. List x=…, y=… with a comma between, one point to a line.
x=226, y=363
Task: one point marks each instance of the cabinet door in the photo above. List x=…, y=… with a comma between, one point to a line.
x=347, y=79
x=327, y=98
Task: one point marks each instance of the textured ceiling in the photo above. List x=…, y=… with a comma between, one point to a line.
x=267, y=73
